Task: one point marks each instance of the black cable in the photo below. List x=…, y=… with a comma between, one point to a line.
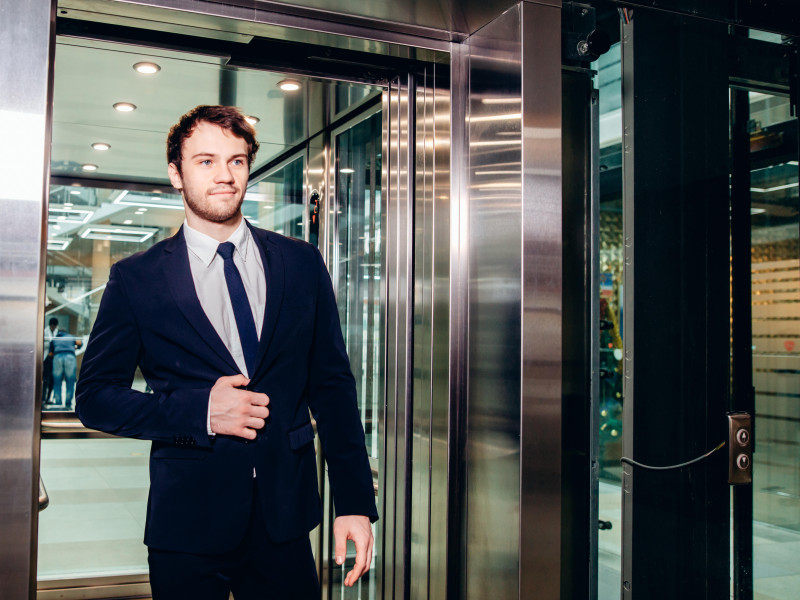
x=630, y=461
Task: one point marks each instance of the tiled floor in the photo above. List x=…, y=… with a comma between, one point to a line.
x=98, y=494
x=776, y=554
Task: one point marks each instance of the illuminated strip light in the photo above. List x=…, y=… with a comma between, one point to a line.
x=58, y=243
x=773, y=189
x=131, y=200
x=119, y=234
x=61, y=215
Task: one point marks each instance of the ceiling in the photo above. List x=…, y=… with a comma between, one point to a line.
x=91, y=76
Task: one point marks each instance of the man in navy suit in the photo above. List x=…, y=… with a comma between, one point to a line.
x=237, y=333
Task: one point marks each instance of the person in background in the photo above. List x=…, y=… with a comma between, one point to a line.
x=62, y=349
x=50, y=333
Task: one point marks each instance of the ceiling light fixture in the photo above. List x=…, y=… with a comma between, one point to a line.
x=118, y=234
x=58, y=243
x=146, y=68
x=75, y=192
x=289, y=85
x=124, y=107
x=251, y=119
x=89, y=167
x=102, y=146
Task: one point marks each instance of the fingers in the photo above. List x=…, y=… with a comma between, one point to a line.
x=340, y=550
x=361, y=561
x=234, y=380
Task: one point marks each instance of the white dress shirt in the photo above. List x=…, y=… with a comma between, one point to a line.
x=212, y=290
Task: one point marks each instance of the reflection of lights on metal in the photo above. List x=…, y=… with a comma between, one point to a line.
x=346, y=171
x=511, y=117
x=316, y=171
x=251, y=119
x=124, y=107
x=511, y=100
x=498, y=172
x=101, y=146
x=289, y=85
x=146, y=68
x=496, y=143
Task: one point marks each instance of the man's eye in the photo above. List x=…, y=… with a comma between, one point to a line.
x=205, y=162
x=238, y=162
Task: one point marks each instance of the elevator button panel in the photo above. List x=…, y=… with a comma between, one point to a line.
x=740, y=448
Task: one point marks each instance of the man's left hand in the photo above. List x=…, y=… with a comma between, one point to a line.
x=358, y=529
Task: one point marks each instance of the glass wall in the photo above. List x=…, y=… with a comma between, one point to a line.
x=356, y=257
x=775, y=268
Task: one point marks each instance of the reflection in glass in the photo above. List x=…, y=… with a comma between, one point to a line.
x=775, y=268
x=609, y=77
x=357, y=256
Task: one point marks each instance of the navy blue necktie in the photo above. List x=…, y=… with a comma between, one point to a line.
x=241, y=306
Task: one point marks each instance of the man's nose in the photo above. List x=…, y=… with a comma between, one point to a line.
x=223, y=174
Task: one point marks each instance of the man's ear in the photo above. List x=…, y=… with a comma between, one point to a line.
x=175, y=177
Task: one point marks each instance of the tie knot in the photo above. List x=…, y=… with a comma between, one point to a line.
x=225, y=250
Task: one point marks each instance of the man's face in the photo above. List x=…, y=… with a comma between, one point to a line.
x=214, y=173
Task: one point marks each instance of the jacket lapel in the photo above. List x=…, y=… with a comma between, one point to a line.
x=272, y=260
x=178, y=275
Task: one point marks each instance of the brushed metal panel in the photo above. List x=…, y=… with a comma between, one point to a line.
x=26, y=60
x=439, y=340
x=421, y=413
x=495, y=310
x=513, y=445
x=540, y=468
x=283, y=22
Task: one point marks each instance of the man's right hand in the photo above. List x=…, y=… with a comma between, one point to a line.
x=235, y=411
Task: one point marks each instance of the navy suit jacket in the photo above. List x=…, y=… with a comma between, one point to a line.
x=201, y=486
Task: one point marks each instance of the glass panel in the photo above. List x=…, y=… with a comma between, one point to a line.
x=609, y=75
x=356, y=252
x=277, y=203
x=98, y=487
x=775, y=267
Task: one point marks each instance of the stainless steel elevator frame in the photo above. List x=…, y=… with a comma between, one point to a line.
x=473, y=294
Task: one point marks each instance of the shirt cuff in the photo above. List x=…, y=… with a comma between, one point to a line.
x=208, y=419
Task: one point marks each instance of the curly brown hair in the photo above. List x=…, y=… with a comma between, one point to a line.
x=227, y=117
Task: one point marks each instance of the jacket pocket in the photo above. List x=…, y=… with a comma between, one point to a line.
x=301, y=436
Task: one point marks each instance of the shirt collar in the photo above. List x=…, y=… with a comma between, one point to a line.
x=204, y=246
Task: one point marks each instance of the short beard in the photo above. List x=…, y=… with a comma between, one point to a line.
x=222, y=215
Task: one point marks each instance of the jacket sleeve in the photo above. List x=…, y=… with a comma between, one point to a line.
x=332, y=399
x=104, y=398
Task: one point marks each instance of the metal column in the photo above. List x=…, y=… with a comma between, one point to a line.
x=26, y=56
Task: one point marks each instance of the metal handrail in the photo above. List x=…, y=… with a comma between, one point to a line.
x=44, y=499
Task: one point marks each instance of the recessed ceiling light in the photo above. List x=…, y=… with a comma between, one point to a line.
x=289, y=85
x=251, y=119
x=127, y=222
x=142, y=209
x=146, y=68
x=68, y=205
x=88, y=167
x=75, y=192
x=346, y=171
x=125, y=107
x=101, y=146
